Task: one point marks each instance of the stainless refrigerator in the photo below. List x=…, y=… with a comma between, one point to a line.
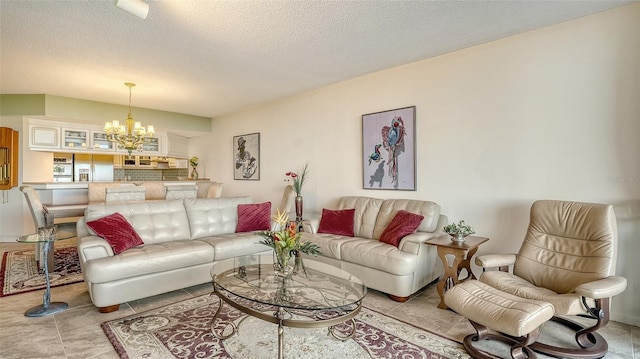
x=92, y=168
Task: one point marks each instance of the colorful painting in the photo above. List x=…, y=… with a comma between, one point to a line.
x=389, y=149
x=246, y=157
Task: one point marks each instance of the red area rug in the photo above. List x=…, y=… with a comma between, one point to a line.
x=183, y=330
x=19, y=272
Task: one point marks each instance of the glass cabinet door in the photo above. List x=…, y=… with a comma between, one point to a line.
x=73, y=139
x=99, y=141
x=153, y=146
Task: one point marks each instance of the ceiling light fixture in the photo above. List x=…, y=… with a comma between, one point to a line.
x=130, y=136
x=135, y=7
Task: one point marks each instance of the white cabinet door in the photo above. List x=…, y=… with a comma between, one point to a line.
x=177, y=146
x=44, y=137
x=178, y=163
x=100, y=142
x=154, y=146
x=75, y=139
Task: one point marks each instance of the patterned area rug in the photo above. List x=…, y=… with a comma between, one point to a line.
x=183, y=330
x=19, y=272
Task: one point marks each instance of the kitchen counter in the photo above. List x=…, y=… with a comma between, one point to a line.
x=85, y=185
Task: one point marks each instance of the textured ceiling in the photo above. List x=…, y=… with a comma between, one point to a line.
x=209, y=58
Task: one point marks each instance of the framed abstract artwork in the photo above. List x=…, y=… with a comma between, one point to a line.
x=389, y=149
x=246, y=157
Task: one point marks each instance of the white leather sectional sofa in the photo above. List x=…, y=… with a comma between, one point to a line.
x=182, y=238
x=398, y=271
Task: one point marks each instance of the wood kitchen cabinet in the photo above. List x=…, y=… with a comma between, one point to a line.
x=8, y=158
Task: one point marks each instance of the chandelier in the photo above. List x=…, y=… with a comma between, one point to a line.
x=130, y=136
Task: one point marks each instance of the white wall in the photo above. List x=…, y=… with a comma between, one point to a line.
x=549, y=114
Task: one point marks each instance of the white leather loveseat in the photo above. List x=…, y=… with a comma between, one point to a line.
x=182, y=239
x=398, y=271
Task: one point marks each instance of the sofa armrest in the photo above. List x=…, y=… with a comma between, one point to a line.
x=311, y=225
x=603, y=288
x=413, y=242
x=93, y=247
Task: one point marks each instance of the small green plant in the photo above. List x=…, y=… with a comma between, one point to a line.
x=458, y=229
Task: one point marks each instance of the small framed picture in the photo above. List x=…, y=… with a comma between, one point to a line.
x=389, y=149
x=246, y=157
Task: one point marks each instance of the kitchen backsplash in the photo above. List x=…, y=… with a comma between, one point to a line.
x=121, y=174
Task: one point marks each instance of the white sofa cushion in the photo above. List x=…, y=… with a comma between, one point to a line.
x=154, y=221
x=329, y=244
x=372, y=253
x=149, y=259
x=212, y=216
x=235, y=244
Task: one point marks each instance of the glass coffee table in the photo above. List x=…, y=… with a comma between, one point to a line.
x=316, y=295
x=46, y=235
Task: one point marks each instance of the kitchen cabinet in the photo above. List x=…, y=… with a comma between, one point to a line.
x=100, y=142
x=47, y=135
x=177, y=146
x=154, y=146
x=138, y=162
x=75, y=139
x=44, y=137
x=178, y=163
x=117, y=161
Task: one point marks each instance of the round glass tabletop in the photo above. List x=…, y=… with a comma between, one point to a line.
x=61, y=232
x=315, y=286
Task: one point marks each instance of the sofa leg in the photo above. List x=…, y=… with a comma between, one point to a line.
x=109, y=309
x=399, y=299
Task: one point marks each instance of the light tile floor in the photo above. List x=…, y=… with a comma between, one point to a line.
x=76, y=332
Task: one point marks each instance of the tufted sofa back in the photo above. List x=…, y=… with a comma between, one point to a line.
x=366, y=214
x=170, y=220
x=373, y=215
x=212, y=216
x=155, y=221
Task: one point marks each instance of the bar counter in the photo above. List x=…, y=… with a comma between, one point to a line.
x=85, y=185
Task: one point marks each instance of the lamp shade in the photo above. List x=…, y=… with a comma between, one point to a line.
x=135, y=7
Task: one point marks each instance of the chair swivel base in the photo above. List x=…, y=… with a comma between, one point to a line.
x=592, y=344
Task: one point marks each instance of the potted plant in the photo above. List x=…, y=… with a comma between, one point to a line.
x=459, y=231
x=193, y=161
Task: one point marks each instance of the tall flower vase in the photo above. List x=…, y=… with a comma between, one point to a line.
x=283, y=262
x=298, y=209
x=194, y=173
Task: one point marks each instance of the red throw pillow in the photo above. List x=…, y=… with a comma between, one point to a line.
x=254, y=217
x=338, y=222
x=402, y=224
x=117, y=231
